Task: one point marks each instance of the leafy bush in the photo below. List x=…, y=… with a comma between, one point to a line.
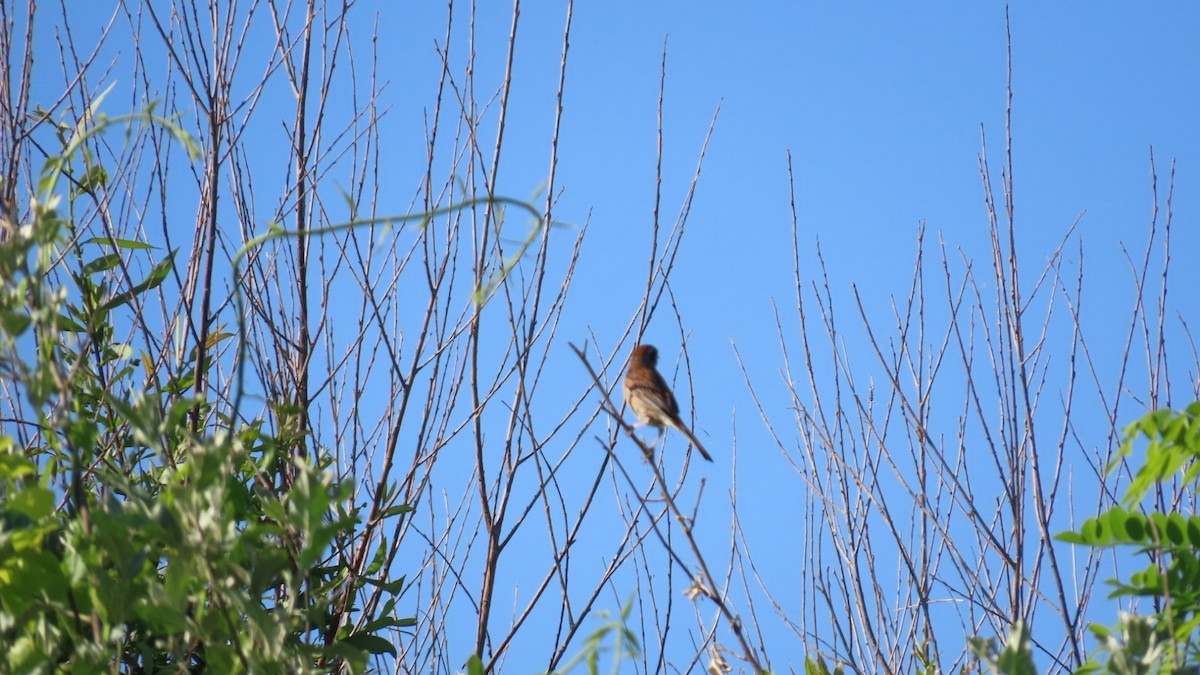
x=1165, y=640
x=131, y=538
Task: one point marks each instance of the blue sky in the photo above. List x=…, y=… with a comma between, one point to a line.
x=882, y=110
x=881, y=107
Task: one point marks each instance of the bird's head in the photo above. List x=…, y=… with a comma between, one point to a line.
x=647, y=355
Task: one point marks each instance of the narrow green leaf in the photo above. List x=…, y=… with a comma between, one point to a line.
x=397, y=510
x=387, y=622
x=119, y=243
x=394, y=586
x=101, y=264
x=372, y=644
x=94, y=179
x=157, y=275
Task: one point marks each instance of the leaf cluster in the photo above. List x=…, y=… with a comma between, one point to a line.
x=132, y=540
x=1165, y=640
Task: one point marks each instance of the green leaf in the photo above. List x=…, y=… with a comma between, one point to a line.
x=372, y=644
x=69, y=325
x=101, y=264
x=379, y=558
x=387, y=622
x=157, y=275
x=1193, y=531
x=266, y=570
x=1133, y=529
x=1159, y=522
x=1112, y=523
x=13, y=466
x=14, y=323
x=119, y=243
x=34, y=501
x=397, y=510
x=94, y=179
x=1071, y=537
x=394, y=586
x=1176, y=529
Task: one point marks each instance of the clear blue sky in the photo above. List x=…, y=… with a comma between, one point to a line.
x=882, y=109
x=881, y=106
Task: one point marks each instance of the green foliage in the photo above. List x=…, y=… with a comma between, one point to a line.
x=1172, y=448
x=1165, y=641
x=625, y=643
x=1014, y=658
x=817, y=666
x=130, y=541
x=186, y=566
x=1138, y=646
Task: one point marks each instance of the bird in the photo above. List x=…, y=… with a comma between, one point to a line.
x=651, y=399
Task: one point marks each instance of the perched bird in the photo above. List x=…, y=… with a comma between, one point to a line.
x=651, y=399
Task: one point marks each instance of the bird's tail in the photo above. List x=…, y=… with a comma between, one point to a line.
x=695, y=442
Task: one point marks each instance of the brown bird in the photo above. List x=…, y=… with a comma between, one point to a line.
x=651, y=399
